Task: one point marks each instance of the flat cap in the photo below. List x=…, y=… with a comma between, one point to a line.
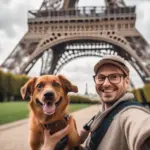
x=112, y=59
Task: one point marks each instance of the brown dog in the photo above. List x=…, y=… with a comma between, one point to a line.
x=48, y=102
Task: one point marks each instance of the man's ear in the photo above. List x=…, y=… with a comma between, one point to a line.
x=27, y=89
x=67, y=85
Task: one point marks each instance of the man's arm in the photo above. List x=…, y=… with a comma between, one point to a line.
x=135, y=123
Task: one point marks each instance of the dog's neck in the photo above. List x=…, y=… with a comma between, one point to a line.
x=65, y=118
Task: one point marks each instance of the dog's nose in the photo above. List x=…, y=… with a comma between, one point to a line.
x=49, y=95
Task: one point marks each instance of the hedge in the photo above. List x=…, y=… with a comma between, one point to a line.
x=82, y=99
x=142, y=94
x=138, y=95
x=146, y=91
x=2, y=94
x=10, y=85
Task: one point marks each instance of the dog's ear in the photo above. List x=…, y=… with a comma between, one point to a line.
x=27, y=89
x=67, y=85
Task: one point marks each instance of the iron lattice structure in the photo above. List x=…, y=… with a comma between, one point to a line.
x=60, y=31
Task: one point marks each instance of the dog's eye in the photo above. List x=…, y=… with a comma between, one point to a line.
x=39, y=86
x=56, y=84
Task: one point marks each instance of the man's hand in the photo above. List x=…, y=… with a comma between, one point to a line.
x=50, y=141
x=83, y=135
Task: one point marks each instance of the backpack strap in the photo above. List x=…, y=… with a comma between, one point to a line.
x=98, y=134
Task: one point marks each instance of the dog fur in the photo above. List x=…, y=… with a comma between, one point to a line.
x=36, y=89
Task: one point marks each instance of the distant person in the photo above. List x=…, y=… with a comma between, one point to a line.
x=123, y=124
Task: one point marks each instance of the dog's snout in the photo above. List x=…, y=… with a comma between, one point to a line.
x=49, y=95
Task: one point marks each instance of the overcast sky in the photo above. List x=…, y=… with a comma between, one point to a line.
x=13, y=26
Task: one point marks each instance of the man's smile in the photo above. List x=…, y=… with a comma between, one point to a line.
x=108, y=90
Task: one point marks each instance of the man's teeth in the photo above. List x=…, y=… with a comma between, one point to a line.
x=108, y=91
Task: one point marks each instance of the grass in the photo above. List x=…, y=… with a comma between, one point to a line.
x=13, y=111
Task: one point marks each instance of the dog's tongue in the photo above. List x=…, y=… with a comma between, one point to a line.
x=49, y=108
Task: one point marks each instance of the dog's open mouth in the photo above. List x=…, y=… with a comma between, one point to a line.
x=49, y=107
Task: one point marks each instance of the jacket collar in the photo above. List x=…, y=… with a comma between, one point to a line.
x=99, y=117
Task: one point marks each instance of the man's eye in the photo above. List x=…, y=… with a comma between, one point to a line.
x=114, y=76
x=39, y=86
x=101, y=78
x=56, y=84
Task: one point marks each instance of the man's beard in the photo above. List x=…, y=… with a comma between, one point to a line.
x=112, y=102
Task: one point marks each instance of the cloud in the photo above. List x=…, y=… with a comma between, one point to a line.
x=12, y=16
x=143, y=19
x=35, y=4
x=6, y=2
x=91, y=2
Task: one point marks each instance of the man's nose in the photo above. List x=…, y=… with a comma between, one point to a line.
x=106, y=82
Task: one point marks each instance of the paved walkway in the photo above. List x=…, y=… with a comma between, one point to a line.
x=14, y=136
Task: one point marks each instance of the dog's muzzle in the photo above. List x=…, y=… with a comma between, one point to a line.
x=49, y=106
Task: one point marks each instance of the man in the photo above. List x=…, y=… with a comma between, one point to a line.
x=130, y=127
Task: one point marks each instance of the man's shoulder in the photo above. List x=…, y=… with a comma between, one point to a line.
x=135, y=107
x=134, y=112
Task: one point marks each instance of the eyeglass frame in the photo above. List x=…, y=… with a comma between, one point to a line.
x=120, y=75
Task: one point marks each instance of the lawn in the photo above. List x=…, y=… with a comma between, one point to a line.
x=12, y=111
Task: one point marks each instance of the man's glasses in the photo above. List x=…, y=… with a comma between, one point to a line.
x=113, y=78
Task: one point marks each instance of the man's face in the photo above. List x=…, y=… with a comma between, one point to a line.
x=111, y=92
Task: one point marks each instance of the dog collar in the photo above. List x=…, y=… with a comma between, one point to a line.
x=56, y=124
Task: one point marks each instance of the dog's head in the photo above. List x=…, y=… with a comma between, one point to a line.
x=48, y=93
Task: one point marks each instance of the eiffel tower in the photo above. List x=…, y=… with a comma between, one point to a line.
x=86, y=90
x=60, y=31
